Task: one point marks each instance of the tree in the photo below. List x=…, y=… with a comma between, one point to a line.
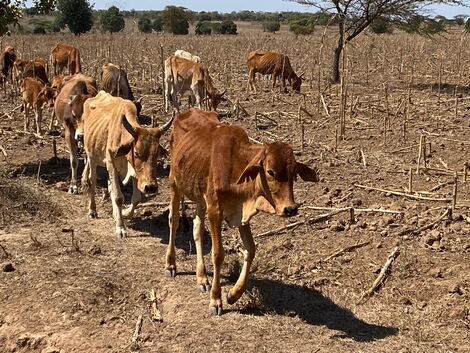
x=228, y=27
x=203, y=28
x=112, y=20
x=76, y=14
x=11, y=11
x=157, y=24
x=354, y=16
x=380, y=26
x=460, y=19
x=216, y=27
x=272, y=26
x=302, y=25
x=175, y=20
x=467, y=25
x=145, y=25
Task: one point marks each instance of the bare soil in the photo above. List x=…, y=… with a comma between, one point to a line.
x=67, y=285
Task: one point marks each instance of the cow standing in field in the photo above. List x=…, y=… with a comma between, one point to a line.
x=271, y=63
x=65, y=56
x=36, y=96
x=115, y=140
x=36, y=68
x=68, y=109
x=182, y=75
x=7, y=58
x=230, y=179
x=187, y=55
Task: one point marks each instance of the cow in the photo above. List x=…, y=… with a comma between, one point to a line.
x=36, y=68
x=231, y=179
x=7, y=58
x=272, y=63
x=56, y=85
x=68, y=108
x=187, y=55
x=36, y=96
x=114, y=81
x=65, y=56
x=114, y=139
x=182, y=75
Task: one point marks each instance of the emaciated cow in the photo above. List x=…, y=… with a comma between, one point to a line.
x=68, y=109
x=182, y=75
x=187, y=55
x=7, y=58
x=65, y=56
x=272, y=63
x=36, y=68
x=36, y=96
x=230, y=179
x=115, y=140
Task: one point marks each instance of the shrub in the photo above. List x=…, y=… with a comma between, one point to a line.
x=467, y=25
x=157, y=24
x=175, y=20
x=112, y=20
x=302, y=25
x=39, y=29
x=272, y=26
x=145, y=25
x=216, y=27
x=380, y=26
x=228, y=27
x=203, y=28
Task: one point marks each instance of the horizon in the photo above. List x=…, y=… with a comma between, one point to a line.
x=242, y=5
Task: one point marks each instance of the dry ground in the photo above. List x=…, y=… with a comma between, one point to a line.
x=75, y=288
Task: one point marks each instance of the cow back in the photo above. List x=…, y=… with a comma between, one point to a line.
x=114, y=81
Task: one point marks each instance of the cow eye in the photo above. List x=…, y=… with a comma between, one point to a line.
x=136, y=154
x=270, y=172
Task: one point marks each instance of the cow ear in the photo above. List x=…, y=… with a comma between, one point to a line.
x=254, y=167
x=307, y=173
x=125, y=141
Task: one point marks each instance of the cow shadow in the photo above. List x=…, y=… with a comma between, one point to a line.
x=446, y=88
x=313, y=308
x=49, y=171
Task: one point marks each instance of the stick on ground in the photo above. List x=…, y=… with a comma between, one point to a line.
x=138, y=327
x=346, y=249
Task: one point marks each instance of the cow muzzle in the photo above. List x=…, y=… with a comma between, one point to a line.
x=290, y=211
x=79, y=136
x=150, y=189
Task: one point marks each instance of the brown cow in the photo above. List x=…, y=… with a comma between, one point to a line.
x=182, y=75
x=7, y=58
x=68, y=109
x=65, y=56
x=272, y=63
x=56, y=85
x=115, y=140
x=35, y=95
x=230, y=179
x=36, y=68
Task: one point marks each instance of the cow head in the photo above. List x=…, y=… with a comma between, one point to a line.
x=142, y=149
x=215, y=99
x=75, y=104
x=297, y=82
x=57, y=83
x=274, y=168
x=46, y=96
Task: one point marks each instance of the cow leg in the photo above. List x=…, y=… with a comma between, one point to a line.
x=248, y=255
x=89, y=184
x=173, y=220
x=38, y=119
x=197, y=94
x=72, y=146
x=51, y=125
x=215, y=222
x=26, y=119
x=198, y=234
x=136, y=198
x=117, y=200
x=252, y=80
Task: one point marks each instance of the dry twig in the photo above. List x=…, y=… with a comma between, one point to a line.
x=346, y=249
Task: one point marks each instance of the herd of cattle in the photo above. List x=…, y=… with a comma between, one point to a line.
x=213, y=164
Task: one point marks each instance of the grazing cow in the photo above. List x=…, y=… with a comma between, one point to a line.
x=65, y=56
x=182, y=75
x=56, y=85
x=36, y=68
x=7, y=59
x=36, y=96
x=115, y=140
x=187, y=55
x=271, y=63
x=68, y=109
x=230, y=179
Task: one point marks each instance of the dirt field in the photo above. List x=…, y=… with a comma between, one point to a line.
x=68, y=285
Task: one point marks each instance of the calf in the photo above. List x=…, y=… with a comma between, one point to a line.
x=230, y=179
x=36, y=96
x=271, y=63
x=187, y=55
x=115, y=140
x=68, y=108
x=182, y=75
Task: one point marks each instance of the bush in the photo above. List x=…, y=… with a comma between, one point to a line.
x=216, y=27
x=175, y=20
x=467, y=25
x=203, y=28
x=380, y=26
x=39, y=29
x=302, y=25
x=228, y=27
x=272, y=26
x=434, y=27
x=157, y=24
x=145, y=25
x=112, y=20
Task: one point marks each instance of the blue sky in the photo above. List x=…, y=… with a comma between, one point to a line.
x=237, y=5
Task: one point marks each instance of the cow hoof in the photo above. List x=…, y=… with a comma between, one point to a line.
x=121, y=233
x=73, y=189
x=92, y=215
x=170, y=273
x=215, y=310
x=204, y=288
x=231, y=300
x=128, y=213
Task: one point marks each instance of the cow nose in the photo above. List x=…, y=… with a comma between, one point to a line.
x=290, y=211
x=150, y=189
x=80, y=137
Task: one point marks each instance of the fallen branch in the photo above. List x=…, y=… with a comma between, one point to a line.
x=398, y=193
x=346, y=249
x=155, y=314
x=5, y=154
x=427, y=226
x=378, y=210
x=6, y=254
x=138, y=327
x=165, y=203
x=380, y=278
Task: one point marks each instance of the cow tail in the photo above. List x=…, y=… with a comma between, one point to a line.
x=78, y=65
x=86, y=182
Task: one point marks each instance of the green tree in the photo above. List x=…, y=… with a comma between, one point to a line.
x=380, y=26
x=228, y=27
x=175, y=20
x=145, y=25
x=216, y=27
x=76, y=14
x=272, y=26
x=203, y=28
x=460, y=19
x=11, y=11
x=302, y=25
x=112, y=20
x=157, y=23
x=354, y=16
